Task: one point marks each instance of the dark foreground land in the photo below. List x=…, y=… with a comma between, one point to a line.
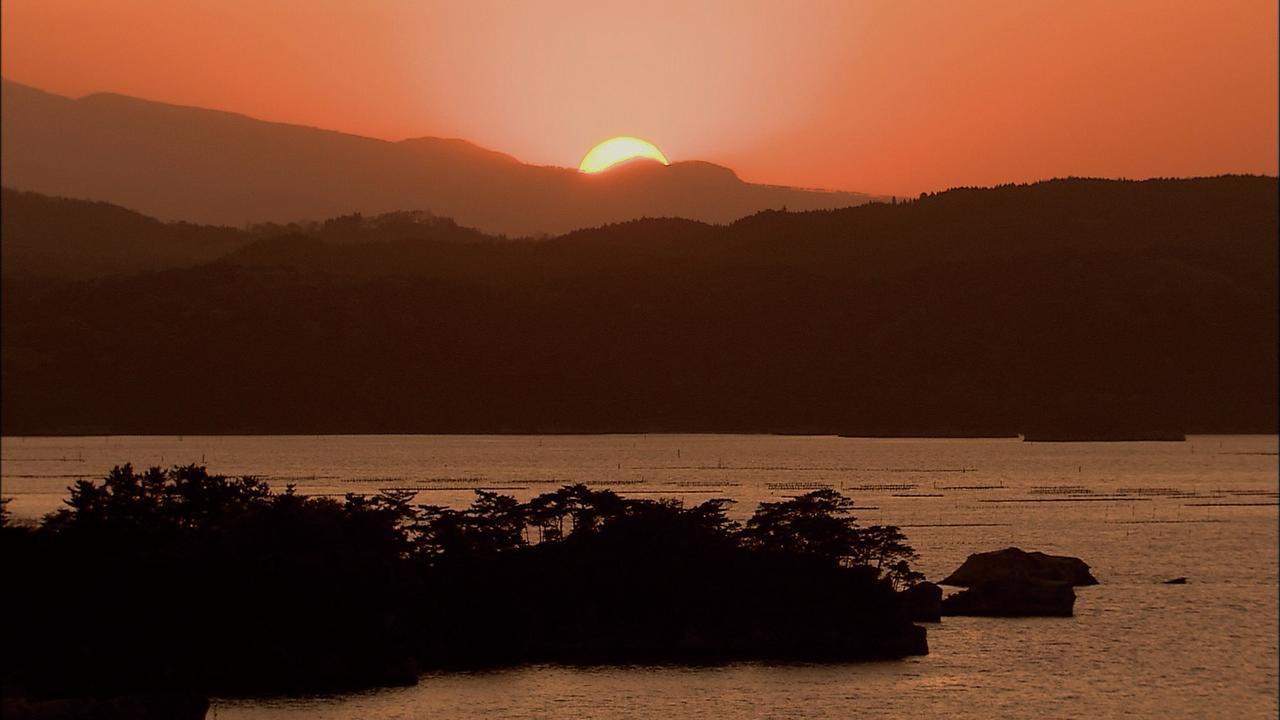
x=1058, y=309
x=181, y=581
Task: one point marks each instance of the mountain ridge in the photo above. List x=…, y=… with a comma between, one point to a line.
x=177, y=162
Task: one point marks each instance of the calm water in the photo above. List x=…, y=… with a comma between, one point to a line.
x=1139, y=513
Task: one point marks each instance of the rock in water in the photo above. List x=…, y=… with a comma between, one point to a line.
x=1013, y=596
x=923, y=602
x=983, y=567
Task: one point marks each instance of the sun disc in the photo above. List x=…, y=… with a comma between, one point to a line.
x=617, y=150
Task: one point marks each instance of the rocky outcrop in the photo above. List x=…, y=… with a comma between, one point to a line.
x=923, y=602
x=1013, y=596
x=985, y=567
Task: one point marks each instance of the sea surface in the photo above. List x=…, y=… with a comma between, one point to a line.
x=1138, y=513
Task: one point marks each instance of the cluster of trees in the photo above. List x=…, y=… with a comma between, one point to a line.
x=179, y=578
x=160, y=504
x=817, y=524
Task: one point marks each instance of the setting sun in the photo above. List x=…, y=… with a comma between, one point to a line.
x=909, y=257
x=617, y=150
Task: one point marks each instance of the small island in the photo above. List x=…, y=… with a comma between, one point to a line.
x=1016, y=583
x=181, y=580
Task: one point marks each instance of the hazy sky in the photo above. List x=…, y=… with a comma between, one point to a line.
x=893, y=96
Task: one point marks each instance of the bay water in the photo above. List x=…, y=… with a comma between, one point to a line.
x=1138, y=513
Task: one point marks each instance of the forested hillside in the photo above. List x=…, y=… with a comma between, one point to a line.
x=1055, y=306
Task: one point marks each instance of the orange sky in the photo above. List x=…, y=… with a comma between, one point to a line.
x=892, y=96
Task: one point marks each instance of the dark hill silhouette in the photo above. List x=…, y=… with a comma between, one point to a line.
x=49, y=237
x=55, y=237
x=1052, y=308
x=185, y=163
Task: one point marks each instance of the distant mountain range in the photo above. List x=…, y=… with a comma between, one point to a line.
x=207, y=166
x=1059, y=307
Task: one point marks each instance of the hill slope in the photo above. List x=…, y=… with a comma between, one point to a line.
x=1057, y=306
x=185, y=163
x=49, y=237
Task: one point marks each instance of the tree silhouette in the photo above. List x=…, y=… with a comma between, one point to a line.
x=817, y=523
x=884, y=547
